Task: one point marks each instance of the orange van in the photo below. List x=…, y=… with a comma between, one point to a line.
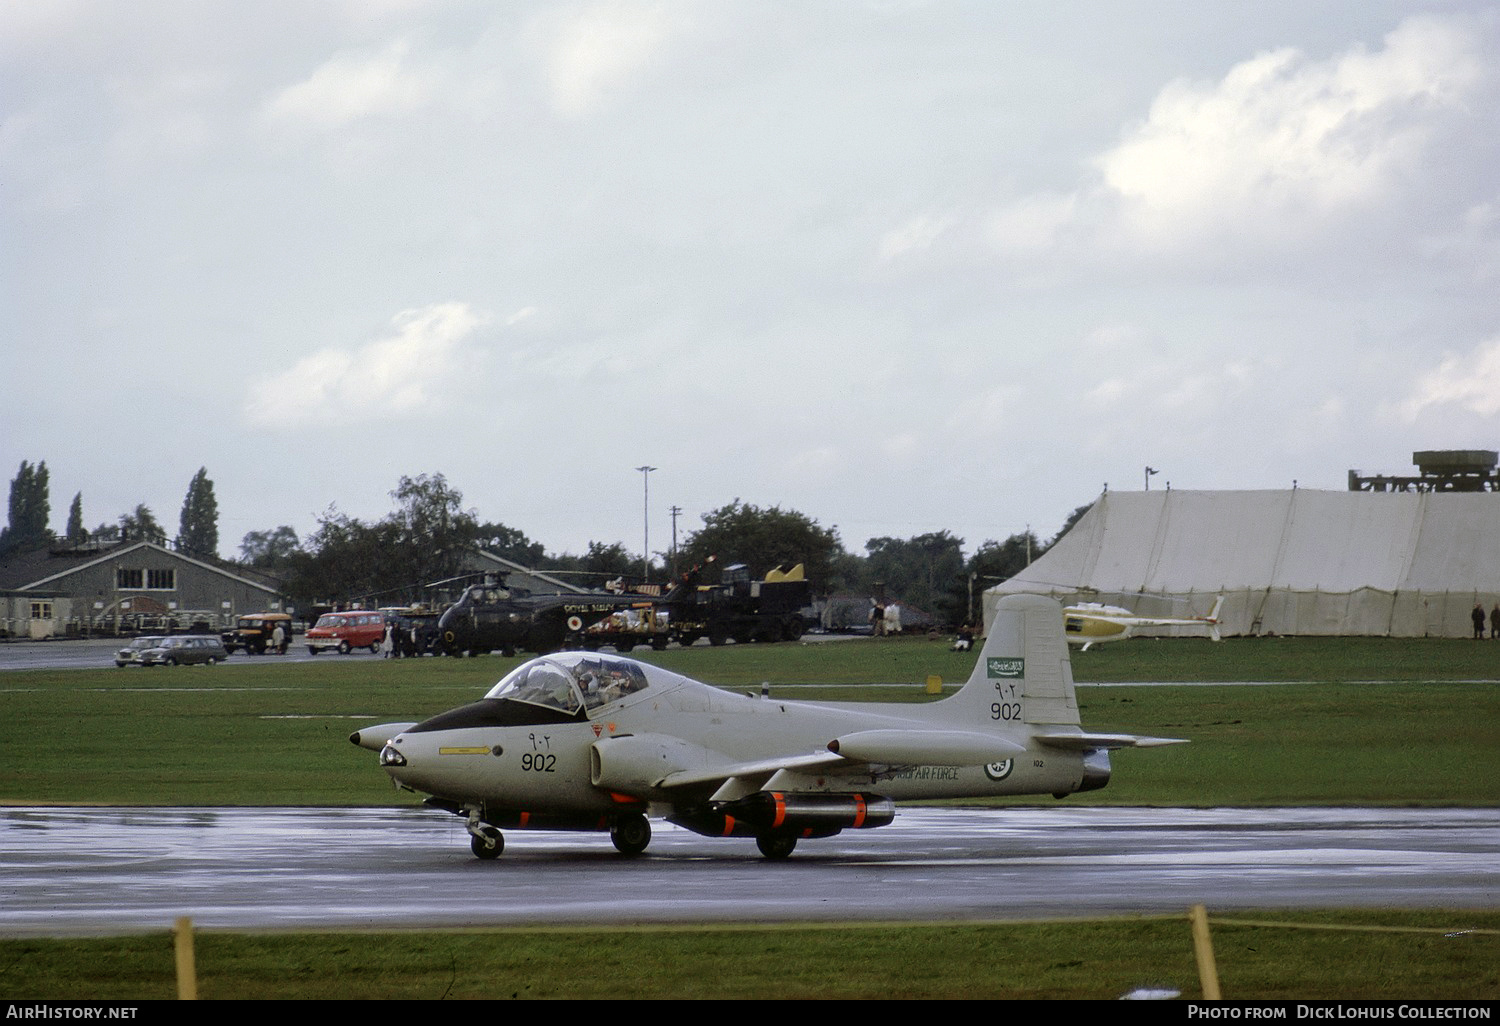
x=346, y=631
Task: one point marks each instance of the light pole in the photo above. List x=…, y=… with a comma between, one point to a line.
x=645, y=523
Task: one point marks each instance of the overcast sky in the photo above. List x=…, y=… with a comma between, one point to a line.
x=902, y=266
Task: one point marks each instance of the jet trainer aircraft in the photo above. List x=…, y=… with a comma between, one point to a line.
x=583, y=741
x=1090, y=623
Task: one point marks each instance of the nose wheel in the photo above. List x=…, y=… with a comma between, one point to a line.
x=485, y=841
x=631, y=833
x=487, y=846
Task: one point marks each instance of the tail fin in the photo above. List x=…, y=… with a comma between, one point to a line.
x=1023, y=674
x=1024, y=677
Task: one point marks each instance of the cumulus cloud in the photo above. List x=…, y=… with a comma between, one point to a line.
x=403, y=372
x=594, y=51
x=918, y=233
x=352, y=86
x=1276, y=147
x=1470, y=382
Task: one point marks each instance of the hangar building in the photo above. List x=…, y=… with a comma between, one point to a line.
x=135, y=585
x=1402, y=564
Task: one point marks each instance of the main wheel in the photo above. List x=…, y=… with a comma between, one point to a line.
x=489, y=846
x=776, y=846
x=631, y=833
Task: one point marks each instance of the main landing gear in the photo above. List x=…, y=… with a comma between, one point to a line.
x=776, y=846
x=631, y=833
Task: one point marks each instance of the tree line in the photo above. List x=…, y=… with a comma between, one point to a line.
x=29, y=525
x=429, y=537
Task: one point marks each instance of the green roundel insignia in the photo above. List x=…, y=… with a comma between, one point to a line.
x=1005, y=668
x=998, y=770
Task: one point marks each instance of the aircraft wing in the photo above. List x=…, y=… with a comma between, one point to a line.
x=887, y=747
x=1077, y=741
x=715, y=774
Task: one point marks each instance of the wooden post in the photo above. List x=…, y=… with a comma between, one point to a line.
x=187, y=973
x=1203, y=949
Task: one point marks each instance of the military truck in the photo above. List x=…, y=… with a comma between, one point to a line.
x=737, y=607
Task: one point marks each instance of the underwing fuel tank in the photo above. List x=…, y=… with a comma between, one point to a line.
x=803, y=814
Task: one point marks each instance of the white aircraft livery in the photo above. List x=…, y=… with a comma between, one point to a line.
x=585, y=741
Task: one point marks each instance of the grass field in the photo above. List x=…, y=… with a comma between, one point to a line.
x=1345, y=721
x=1370, y=955
x=267, y=732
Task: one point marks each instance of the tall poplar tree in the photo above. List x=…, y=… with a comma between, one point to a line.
x=30, y=509
x=77, y=533
x=198, y=529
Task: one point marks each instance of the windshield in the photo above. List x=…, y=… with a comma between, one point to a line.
x=571, y=681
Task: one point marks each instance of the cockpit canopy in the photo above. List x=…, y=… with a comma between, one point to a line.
x=570, y=681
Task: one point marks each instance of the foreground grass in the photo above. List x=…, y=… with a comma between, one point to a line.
x=268, y=732
x=1069, y=959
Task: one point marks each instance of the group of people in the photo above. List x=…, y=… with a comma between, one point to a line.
x=398, y=642
x=1478, y=617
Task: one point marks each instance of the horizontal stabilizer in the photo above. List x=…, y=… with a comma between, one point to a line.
x=374, y=738
x=925, y=747
x=1080, y=742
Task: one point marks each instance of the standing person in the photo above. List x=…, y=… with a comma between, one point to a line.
x=1478, y=617
x=1495, y=621
x=278, y=640
x=386, y=643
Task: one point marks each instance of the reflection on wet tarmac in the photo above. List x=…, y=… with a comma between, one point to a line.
x=80, y=871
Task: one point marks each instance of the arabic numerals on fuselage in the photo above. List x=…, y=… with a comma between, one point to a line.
x=539, y=762
x=540, y=759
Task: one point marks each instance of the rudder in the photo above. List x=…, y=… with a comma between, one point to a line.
x=1024, y=661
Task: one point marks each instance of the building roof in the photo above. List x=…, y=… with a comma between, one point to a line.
x=45, y=570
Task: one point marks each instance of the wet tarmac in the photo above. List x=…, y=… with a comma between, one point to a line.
x=72, y=871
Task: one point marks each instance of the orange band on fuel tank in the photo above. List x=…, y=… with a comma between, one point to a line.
x=728, y=827
x=859, y=810
x=525, y=818
x=780, y=816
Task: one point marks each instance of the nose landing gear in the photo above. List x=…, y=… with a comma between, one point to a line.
x=485, y=841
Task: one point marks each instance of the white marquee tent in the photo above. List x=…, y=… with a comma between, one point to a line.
x=1405, y=564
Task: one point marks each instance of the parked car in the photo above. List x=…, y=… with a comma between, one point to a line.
x=345, y=631
x=130, y=655
x=185, y=650
x=253, y=632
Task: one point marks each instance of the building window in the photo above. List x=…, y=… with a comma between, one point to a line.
x=145, y=580
x=41, y=610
